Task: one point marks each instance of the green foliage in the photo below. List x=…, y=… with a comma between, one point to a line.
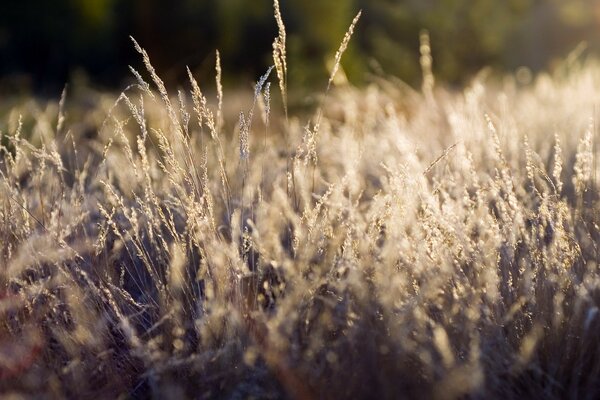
x=52, y=39
x=469, y=35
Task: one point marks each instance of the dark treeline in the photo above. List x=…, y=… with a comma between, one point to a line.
x=44, y=44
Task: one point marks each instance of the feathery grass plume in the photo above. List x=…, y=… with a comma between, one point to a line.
x=505, y=177
x=155, y=78
x=203, y=113
x=266, y=102
x=310, y=137
x=145, y=86
x=218, y=79
x=174, y=150
x=245, y=123
x=584, y=162
x=61, y=112
x=267, y=99
x=529, y=166
x=244, y=138
x=280, y=63
x=557, y=166
x=279, y=55
x=440, y=158
x=185, y=115
x=426, y=61
x=258, y=88
x=205, y=116
x=342, y=49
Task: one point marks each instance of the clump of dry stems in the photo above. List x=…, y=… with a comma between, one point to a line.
x=441, y=245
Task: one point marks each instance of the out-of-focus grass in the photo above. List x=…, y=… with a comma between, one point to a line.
x=399, y=244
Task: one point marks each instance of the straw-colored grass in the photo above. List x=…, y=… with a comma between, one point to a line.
x=401, y=244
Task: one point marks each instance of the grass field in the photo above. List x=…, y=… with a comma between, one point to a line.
x=397, y=244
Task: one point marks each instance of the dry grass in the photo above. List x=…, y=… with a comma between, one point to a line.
x=401, y=245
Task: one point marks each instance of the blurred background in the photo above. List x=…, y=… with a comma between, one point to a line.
x=45, y=44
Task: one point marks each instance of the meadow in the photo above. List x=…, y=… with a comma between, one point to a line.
x=395, y=243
